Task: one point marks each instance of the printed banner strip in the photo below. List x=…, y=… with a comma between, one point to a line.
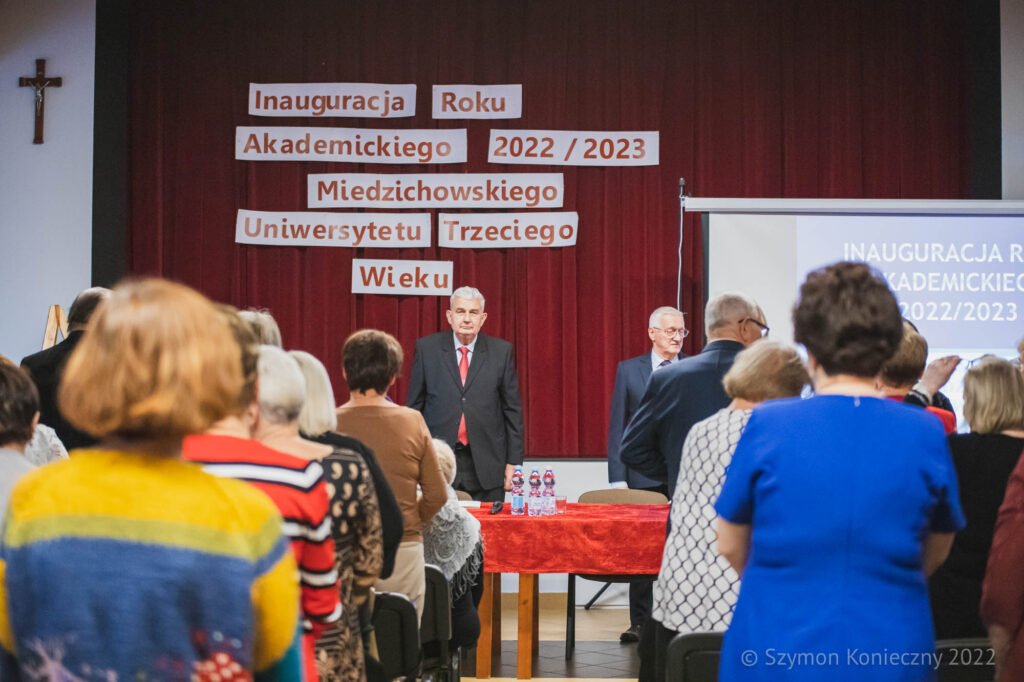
x=574, y=148
x=507, y=230
x=478, y=101
x=353, y=100
x=311, y=228
x=435, y=190
x=359, y=145
x=402, y=277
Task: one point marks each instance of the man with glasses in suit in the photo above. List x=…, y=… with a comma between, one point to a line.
x=682, y=394
x=666, y=329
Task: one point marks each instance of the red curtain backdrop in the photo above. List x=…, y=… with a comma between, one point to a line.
x=784, y=98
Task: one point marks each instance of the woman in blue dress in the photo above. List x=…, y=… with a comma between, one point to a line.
x=836, y=508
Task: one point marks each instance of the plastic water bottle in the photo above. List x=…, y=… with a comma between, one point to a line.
x=518, y=500
x=549, y=491
x=533, y=507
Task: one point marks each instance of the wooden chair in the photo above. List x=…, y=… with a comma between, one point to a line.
x=693, y=657
x=436, y=629
x=605, y=496
x=965, y=660
x=397, y=634
x=463, y=495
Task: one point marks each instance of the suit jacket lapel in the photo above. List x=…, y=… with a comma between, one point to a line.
x=644, y=369
x=477, y=361
x=448, y=359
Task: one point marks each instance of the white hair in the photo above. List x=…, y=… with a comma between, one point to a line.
x=282, y=388
x=468, y=293
x=263, y=325
x=318, y=415
x=655, y=320
x=445, y=460
x=728, y=308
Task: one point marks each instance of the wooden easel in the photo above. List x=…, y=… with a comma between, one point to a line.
x=56, y=326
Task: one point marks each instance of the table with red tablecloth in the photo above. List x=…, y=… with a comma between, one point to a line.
x=594, y=539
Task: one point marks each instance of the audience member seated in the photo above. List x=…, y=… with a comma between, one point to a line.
x=399, y=438
x=19, y=415
x=295, y=484
x=901, y=372
x=264, y=326
x=452, y=542
x=835, y=508
x=984, y=460
x=319, y=422
x=44, y=446
x=47, y=366
x=696, y=589
x=356, y=528
x=125, y=560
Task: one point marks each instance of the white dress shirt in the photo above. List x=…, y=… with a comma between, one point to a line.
x=458, y=353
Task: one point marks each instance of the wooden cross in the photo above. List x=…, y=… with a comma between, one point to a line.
x=40, y=83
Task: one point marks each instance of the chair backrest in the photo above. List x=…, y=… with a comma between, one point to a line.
x=436, y=624
x=693, y=657
x=463, y=495
x=965, y=660
x=397, y=634
x=622, y=496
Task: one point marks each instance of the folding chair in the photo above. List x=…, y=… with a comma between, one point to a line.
x=693, y=657
x=436, y=629
x=397, y=634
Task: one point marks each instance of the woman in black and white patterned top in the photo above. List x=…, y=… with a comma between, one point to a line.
x=696, y=589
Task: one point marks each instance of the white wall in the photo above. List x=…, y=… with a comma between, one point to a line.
x=45, y=190
x=1011, y=28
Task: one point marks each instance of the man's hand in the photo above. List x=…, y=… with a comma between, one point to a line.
x=509, y=470
x=938, y=372
x=618, y=484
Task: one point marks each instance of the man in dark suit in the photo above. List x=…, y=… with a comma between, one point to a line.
x=465, y=384
x=679, y=396
x=46, y=368
x=666, y=329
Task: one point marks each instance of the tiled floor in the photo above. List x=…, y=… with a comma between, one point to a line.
x=598, y=654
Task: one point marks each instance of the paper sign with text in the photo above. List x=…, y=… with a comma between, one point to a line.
x=358, y=145
x=478, y=101
x=435, y=190
x=507, y=230
x=358, y=100
x=310, y=228
x=402, y=277
x=574, y=147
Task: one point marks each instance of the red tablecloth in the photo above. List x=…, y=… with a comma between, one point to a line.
x=588, y=538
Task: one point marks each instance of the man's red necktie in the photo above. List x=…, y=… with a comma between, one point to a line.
x=463, y=371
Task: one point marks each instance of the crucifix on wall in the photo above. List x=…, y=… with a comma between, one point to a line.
x=40, y=83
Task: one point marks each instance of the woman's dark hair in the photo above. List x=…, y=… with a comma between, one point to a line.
x=371, y=358
x=19, y=402
x=848, y=319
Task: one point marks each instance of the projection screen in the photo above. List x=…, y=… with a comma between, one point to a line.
x=957, y=267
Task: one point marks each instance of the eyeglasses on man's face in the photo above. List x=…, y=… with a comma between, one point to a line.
x=672, y=332
x=764, y=328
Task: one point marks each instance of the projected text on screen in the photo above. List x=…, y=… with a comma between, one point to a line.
x=960, y=279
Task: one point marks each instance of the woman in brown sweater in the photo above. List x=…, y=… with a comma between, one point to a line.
x=398, y=435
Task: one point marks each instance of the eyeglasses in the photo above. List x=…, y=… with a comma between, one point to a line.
x=673, y=332
x=764, y=328
x=976, y=361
